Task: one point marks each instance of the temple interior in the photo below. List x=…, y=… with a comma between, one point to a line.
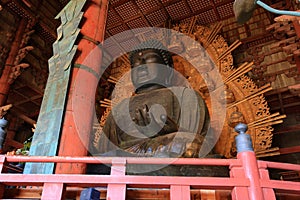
x=258, y=61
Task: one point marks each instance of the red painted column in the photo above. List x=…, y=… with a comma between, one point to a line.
x=4, y=84
x=249, y=161
x=81, y=97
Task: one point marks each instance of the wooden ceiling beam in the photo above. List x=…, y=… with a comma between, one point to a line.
x=281, y=103
x=287, y=129
x=116, y=4
x=4, y=2
x=37, y=64
x=24, y=9
x=214, y=7
x=276, y=91
x=187, y=5
x=33, y=87
x=275, y=99
x=166, y=4
x=141, y=13
x=13, y=143
x=286, y=105
x=206, y=9
x=32, y=15
x=123, y=21
x=163, y=7
x=28, y=99
x=289, y=150
x=34, y=114
x=37, y=46
x=22, y=116
x=223, y=2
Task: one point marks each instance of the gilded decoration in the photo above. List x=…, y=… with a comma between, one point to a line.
x=244, y=100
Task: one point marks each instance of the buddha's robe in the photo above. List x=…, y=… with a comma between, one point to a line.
x=182, y=105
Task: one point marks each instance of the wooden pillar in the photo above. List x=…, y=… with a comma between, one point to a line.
x=80, y=104
x=4, y=80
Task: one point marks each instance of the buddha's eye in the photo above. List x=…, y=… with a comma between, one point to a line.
x=153, y=59
x=137, y=62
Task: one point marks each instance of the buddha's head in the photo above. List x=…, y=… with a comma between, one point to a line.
x=152, y=66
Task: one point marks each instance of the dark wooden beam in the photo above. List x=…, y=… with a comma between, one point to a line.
x=27, y=99
x=29, y=14
x=289, y=150
x=289, y=105
x=287, y=129
x=32, y=86
x=22, y=116
x=13, y=143
x=214, y=7
x=281, y=102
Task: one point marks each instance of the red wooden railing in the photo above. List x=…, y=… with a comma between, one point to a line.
x=249, y=178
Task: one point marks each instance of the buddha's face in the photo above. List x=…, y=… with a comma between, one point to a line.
x=149, y=69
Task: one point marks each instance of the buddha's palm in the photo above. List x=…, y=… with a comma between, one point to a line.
x=177, y=144
x=151, y=127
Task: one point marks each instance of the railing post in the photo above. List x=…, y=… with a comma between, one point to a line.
x=53, y=191
x=237, y=171
x=264, y=174
x=116, y=191
x=179, y=192
x=2, y=161
x=249, y=163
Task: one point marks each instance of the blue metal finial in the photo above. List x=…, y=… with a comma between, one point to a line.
x=243, y=140
x=241, y=128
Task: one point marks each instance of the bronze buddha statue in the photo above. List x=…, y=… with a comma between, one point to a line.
x=159, y=120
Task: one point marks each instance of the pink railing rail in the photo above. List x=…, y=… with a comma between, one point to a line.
x=249, y=178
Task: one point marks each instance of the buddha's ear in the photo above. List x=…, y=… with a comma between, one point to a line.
x=170, y=77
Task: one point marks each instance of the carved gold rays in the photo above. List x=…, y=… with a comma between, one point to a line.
x=243, y=100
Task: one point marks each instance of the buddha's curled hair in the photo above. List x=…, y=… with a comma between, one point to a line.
x=156, y=46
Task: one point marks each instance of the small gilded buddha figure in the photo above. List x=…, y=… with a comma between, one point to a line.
x=160, y=120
